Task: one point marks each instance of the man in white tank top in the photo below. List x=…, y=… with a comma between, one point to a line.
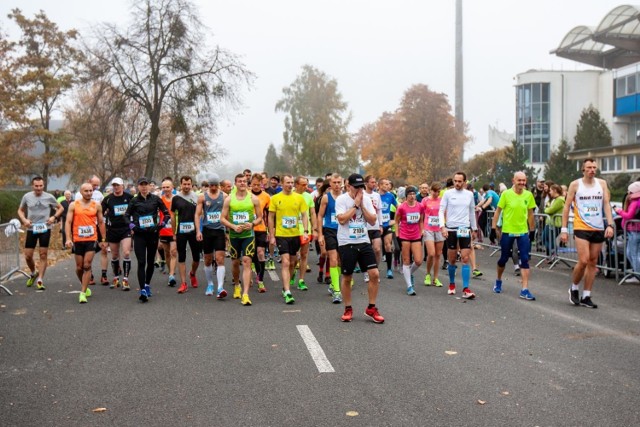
x=589, y=198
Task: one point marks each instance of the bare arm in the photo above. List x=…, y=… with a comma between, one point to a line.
x=196, y=220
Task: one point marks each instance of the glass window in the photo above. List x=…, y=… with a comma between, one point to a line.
x=545, y=93
x=631, y=84
x=620, y=87
x=631, y=162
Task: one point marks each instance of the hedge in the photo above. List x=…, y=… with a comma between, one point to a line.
x=9, y=203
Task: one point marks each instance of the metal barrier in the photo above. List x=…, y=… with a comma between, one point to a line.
x=630, y=242
x=9, y=253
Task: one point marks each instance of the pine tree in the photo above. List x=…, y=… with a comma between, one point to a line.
x=559, y=168
x=592, y=131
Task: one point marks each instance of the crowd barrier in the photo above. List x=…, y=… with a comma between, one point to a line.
x=631, y=260
x=9, y=253
x=547, y=246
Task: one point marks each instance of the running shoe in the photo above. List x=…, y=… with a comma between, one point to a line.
x=319, y=279
x=104, y=281
x=452, y=289
x=125, y=284
x=427, y=280
x=437, y=283
x=88, y=292
x=497, y=288
x=115, y=283
x=245, y=300
x=411, y=291
x=337, y=297
x=147, y=288
x=156, y=264
x=468, y=294
x=476, y=273
x=40, y=285
x=209, y=291
x=288, y=298
x=374, y=315
x=302, y=286
x=348, y=315
x=183, y=288
x=366, y=277
x=261, y=288
x=574, y=296
x=143, y=296
x=525, y=294
x=32, y=279
x=172, y=281
x=308, y=269
x=237, y=292
x=92, y=281
x=221, y=294
x=586, y=302
x=445, y=265
x=327, y=280
x=83, y=298
x=357, y=269
x=194, y=279
x=516, y=270
x=389, y=273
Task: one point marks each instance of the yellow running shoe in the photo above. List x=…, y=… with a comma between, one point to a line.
x=237, y=292
x=245, y=300
x=88, y=293
x=83, y=298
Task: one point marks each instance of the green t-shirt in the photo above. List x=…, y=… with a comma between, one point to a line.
x=515, y=211
x=240, y=212
x=309, y=199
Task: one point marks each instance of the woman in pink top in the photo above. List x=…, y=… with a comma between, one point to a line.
x=433, y=239
x=409, y=219
x=631, y=211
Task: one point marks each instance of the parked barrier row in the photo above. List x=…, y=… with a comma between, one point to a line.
x=9, y=253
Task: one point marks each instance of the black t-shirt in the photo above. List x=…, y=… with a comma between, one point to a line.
x=184, y=210
x=114, y=209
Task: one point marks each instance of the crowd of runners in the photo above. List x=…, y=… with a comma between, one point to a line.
x=354, y=223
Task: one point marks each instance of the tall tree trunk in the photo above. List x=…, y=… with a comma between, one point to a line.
x=153, y=143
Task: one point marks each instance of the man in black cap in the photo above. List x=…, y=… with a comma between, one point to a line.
x=353, y=212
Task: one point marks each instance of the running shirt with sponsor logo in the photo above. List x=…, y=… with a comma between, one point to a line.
x=114, y=209
x=515, y=211
x=459, y=206
x=588, y=207
x=184, y=208
x=241, y=211
x=353, y=231
x=376, y=201
x=213, y=211
x=388, y=200
x=287, y=209
x=38, y=210
x=329, y=220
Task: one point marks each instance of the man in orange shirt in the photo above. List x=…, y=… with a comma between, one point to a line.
x=260, y=230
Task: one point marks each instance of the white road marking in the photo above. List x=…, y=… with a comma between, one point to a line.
x=317, y=354
x=273, y=275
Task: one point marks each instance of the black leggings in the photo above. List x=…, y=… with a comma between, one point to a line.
x=145, y=246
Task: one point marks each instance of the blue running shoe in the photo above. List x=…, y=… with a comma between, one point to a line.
x=411, y=291
x=209, y=291
x=147, y=288
x=525, y=294
x=389, y=274
x=497, y=288
x=143, y=296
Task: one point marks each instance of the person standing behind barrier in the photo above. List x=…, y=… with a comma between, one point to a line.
x=35, y=214
x=589, y=197
x=143, y=211
x=84, y=216
x=554, y=221
x=490, y=203
x=632, y=211
x=516, y=205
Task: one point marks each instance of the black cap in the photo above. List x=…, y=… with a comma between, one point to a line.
x=356, y=180
x=410, y=189
x=143, y=179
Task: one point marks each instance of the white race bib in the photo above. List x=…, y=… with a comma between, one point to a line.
x=433, y=221
x=187, y=227
x=146, y=221
x=213, y=217
x=289, y=222
x=386, y=217
x=39, y=228
x=413, y=218
x=357, y=230
x=240, y=217
x=119, y=210
x=463, y=232
x=86, y=231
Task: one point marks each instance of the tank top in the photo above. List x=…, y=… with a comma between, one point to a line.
x=84, y=221
x=329, y=219
x=166, y=231
x=212, y=211
x=240, y=212
x=588, y=207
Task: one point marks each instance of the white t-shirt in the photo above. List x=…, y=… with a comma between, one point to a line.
x=355, y=230
x=459, y=206
x=97, y=196
x=377, y=205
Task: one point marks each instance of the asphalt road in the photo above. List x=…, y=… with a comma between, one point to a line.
x=437, y=360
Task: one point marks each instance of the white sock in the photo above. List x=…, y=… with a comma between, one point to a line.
x=220, y=275
x=414, y=267
x=406, y=272
x=575, y=287
x=208, y=273
x=586, y=294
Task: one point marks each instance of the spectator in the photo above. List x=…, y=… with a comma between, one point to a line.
x=554, y=221
x=632, y=211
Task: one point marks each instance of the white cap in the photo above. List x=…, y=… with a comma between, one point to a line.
x=117, y=181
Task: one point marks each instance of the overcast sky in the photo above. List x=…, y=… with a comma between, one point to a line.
x=375, y=49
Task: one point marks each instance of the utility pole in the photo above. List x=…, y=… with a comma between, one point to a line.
x=459, y=107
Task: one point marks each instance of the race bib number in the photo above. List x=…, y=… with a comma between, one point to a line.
x=187, y=227
x=289, y=222
x=433, y=221
x=386, y=217
x=213, y=217
x=119, y=210
x=463, y=232
x=413, y=218
x=591, y=209
x=357, y=230
x=240, y=217
x=146, y=221
x=333, y=219
x=86, y=231
x=39, y=228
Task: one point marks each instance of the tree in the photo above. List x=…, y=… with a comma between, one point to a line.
x=592, y=131
x=316, y=138
x=559, y=168
x=515, y=161
x=161, y=63
x=483, y=166
x=44, y=66
x=274, y=163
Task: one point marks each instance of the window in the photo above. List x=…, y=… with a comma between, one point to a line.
x=533, y=117
x=621, y=87
x=633, y=162
x=631, y=84
x=611, y=164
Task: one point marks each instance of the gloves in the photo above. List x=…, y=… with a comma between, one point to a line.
x=12, y=228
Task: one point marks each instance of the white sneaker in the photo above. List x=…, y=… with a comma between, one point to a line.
x=366, y=277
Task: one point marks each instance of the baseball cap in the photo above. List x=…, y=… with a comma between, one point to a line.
x=118, y=181
x=356, y=180
x=143, y=179
x=213, y=179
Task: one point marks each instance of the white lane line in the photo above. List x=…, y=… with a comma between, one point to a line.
x=273, y=275
x=317, y=354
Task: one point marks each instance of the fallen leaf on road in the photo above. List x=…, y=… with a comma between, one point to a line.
x=274, y=345
x=100, y=410
x=352, y=414
x=450, y=353
x=505, y=393
x=20, y=312
x=481, y=402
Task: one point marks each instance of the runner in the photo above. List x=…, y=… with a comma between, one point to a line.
x=118, y=232
x=389, y=204
x=183, y=211
x=301, y=188
x=589, y=197
x=434, y=241
x=328, y=234
x=144, y=212
x=82, y=219
x=352, y=211
x=410, y=221
x=167, y=242
x=240, y=214
x=457, y=220
x=35, y=214
x=98, y=197
x=516, y=206
x=284, y=211
x=260, y=230
x=375, y=230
